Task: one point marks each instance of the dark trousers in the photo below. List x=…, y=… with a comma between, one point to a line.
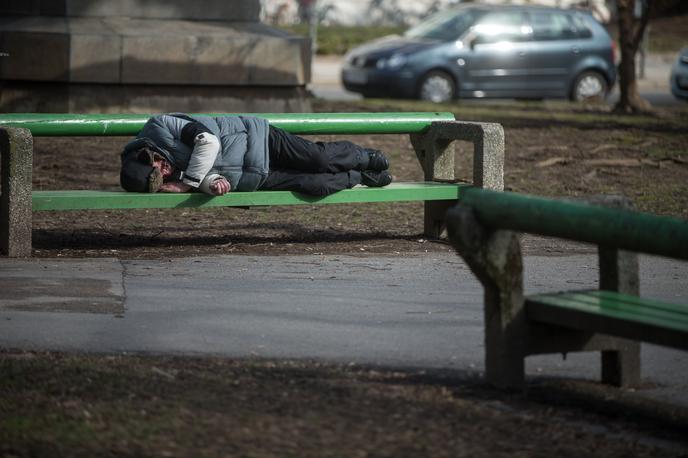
x=315, y=168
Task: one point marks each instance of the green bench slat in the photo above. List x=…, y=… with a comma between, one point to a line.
x=622, y=306
x=613, y=313
x=105, y=200
x=647, y=303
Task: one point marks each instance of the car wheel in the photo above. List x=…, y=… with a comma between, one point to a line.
x=589, y=86
x=437, y=87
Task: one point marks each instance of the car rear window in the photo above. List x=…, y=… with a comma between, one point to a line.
x=558, y=26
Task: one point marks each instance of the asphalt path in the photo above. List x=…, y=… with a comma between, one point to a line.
x=423, y=311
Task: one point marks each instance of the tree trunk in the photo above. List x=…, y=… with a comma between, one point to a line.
x=630, y=34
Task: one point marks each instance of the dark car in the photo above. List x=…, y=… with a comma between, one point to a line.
x=679, y=75
x=488, y=51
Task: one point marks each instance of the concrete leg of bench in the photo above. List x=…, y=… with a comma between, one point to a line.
x=619, y=272
x=436, y=153
x=16, y=151
x=495, y=258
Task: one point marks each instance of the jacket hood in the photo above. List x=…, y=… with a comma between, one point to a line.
x=140, y=142
x=137, y=173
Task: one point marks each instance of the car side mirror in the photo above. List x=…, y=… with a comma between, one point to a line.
x=471, y=40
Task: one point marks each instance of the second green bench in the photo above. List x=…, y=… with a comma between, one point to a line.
x=612, y=319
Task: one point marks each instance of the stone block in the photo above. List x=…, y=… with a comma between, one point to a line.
x=229, y=59
x=210, y=10
x=137, y=51
x=35, y=56
x=95, y=58
x=19, y=7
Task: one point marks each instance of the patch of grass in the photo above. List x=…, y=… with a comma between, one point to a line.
x=670, y=197
x=338, y=40
x=667, y=151
x=667, y=35
x=519, y=113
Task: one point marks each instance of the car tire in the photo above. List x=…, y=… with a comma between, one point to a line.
x=437, y=86
x=589, y=86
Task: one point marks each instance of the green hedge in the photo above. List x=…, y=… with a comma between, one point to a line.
x=340, y=39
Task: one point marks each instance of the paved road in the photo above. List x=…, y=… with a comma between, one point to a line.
x=423, y=311
x=654, y=86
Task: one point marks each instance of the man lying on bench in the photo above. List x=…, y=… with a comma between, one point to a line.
x=177, y=153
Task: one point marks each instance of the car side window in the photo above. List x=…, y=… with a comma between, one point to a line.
x=549, y=26
x=504, y=26
x=582, y=29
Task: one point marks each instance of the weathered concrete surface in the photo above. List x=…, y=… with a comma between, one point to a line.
x=75, y=286
x=213, y=10
x=421, y=311
x=16, y=163
x=125, y=50
x=98, y=55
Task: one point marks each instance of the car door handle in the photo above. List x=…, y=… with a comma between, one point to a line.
x=521, y=54
x=575, y=49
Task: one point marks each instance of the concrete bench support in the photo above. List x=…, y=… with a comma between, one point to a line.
x=436, y=152
x=495, y=258
x=16, y=148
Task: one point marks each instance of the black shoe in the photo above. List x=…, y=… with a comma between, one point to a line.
x=377, y=161
x=375, y=179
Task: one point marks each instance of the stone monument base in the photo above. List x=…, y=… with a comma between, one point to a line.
x=103, y=56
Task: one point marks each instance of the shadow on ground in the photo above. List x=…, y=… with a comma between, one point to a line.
x=66, y=405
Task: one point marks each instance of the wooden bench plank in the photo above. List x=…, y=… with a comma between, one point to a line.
x=94, y=200
x=613, y=313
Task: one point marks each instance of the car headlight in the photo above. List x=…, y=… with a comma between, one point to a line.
x=392, y=62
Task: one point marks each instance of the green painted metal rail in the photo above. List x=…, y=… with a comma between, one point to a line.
x=54, y=125
x=625, y=229
x=107, y=200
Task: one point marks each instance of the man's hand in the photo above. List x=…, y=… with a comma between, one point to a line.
x=174, y=186
x=220, y=187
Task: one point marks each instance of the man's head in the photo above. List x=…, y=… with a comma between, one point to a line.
x=144, y=170
x=163, y=166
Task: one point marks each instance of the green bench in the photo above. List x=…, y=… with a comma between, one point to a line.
x=613, y=319
x=432, y=136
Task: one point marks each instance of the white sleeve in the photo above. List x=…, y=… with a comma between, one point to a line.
x=206, y=148
x=207, y=181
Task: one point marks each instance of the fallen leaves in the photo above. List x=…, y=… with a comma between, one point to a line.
x=609, y=162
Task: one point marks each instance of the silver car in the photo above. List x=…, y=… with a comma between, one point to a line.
x=679, y=76
x=488, y=51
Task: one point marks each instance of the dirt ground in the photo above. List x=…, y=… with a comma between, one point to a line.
x=135, y=405
x=129, y=405
x=551, y=149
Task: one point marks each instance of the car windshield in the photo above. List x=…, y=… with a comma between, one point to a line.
x=446, y=25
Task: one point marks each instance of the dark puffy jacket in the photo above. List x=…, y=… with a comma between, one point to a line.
x=243, y=158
